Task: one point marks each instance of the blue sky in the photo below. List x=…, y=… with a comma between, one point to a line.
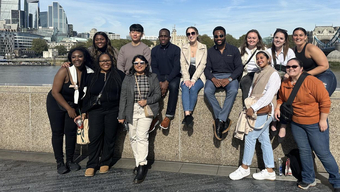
x=236, y=16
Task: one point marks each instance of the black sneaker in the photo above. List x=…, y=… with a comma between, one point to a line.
x=72, y=166
x=61, y=168
x=305, y=186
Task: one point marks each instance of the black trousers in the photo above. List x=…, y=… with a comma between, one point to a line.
x=173, y=96
x=102, y=133
x=245, y=85
x=61, y=124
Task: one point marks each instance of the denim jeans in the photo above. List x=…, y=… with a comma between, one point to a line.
x=231, y=89
x=329, y=80
x=263, y=136
x=189, y=96
x=172, y=97
x=308, y=138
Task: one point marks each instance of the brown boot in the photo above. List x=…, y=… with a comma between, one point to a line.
x=104, y=169
x=89, y=172
x=165, y=123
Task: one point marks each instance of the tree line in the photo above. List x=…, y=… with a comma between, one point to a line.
x=40, y=45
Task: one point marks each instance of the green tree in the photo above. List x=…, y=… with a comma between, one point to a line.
x=205, y=39
x=231, y=40
x=89, y=43
x=147, y=42
x=79, y=44
x=61, y=49
x=38, y=46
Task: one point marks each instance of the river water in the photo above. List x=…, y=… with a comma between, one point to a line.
x=44, y=75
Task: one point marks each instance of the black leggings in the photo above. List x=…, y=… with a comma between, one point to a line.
x=245, y=85
x=102, y=133
x=61, y=124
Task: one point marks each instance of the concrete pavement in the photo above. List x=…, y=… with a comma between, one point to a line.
x=32, y=171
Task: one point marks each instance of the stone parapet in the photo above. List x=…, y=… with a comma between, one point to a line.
x=24, y=126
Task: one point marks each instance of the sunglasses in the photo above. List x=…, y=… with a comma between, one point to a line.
x=141, y=62
x=216, y=36
x=293, y=66
x=192, y=33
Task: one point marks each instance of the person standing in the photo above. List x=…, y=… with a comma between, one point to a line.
x=165, y=62
x=103, y=122
x=128, y=51
x=309, y=124
x=223, y=67
x=264, y=89
x=62, y=106
x=140, y=88
x=193, y=61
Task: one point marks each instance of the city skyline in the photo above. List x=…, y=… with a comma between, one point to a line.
x=236, y=16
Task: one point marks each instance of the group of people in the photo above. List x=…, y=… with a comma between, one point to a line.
x=110, y=87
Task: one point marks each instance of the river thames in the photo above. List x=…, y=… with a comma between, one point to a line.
x=44, y=75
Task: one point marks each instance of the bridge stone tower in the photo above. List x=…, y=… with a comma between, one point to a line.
x=324, y=33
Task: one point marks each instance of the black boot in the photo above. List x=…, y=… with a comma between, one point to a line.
x=219, y=126
x=61, y=168
x=141, y=173
x=72, y=166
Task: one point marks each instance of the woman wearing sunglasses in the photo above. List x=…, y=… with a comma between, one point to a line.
x=140, y=88
x=309, y=123
x=251, y=45
x=314, y=60
x=280, y=53
x=193, y=61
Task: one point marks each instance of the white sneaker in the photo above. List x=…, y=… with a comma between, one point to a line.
x=240, y=173
x=264, y=175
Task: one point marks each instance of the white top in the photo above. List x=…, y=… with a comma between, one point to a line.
x=269, y=92
x=251, y=66
x=280, y=58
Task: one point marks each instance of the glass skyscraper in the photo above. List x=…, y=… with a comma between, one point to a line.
x=6, y=7
x=57, y=18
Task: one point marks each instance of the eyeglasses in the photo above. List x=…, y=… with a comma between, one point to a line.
x=192, y=33
x=105, y=61
x=293, y=66
x=216, y=36
x=141, y=62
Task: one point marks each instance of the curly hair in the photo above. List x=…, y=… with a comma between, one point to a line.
x=108, y=48
x=87, y=56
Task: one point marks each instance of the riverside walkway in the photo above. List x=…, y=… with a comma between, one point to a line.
x=33, y=171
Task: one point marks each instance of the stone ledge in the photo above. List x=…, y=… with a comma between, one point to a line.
x=24, y=126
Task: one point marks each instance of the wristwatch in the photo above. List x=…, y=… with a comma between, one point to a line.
x=230, y=79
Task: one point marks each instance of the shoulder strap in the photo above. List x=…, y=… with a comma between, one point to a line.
x=107, y=79
x=251, y=56
x=140, y=95
x=296, y=88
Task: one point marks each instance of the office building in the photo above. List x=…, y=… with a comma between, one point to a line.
x=56, y=18
x=6, y=6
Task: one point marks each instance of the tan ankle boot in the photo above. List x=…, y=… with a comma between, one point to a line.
x=89, y=172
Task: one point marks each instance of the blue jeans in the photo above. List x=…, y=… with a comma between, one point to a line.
x=329, y=80
x=189, y=96
x=263, y=136
x=231, y=89
x=308, y=138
